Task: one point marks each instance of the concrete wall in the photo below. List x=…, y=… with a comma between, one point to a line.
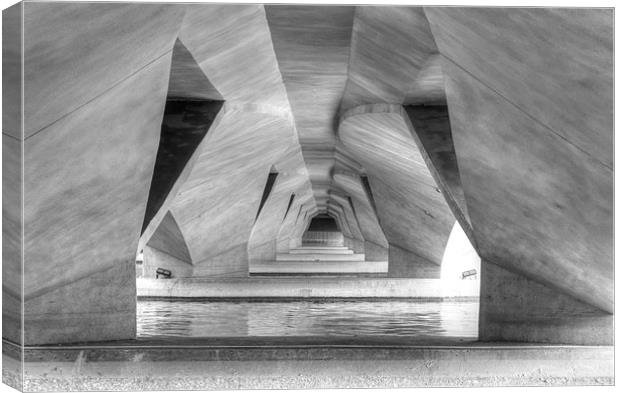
x=415, y=217
x=155, y=258
x=404, y=263
x=514, y=308
x=307, y=288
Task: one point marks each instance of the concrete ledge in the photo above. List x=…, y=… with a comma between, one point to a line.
x=295, y=287
x=312, y=266
x=321, y=250
x=172, y=366
x=322, y=257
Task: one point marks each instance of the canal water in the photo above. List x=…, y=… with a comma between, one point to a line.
x=165, y=318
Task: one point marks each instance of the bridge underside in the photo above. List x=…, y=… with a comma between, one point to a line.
x=209, y=137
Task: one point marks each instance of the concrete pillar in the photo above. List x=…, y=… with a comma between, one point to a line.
x=515, y=308
x=406, y=264
x=415, y=217
x=12, y=182
x=91, y=140
x=534, y=149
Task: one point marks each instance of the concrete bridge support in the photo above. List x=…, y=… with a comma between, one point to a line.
x=533, y=143
x=404, y=191
x=90, y=138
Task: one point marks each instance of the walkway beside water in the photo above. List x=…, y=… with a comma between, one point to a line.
x=281, y=363
x=307, y=288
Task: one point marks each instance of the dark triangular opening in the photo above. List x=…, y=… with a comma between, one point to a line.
x=191, y=107
x=184, y=125
x=290, y=202
x=271, y=179
x=368, y=191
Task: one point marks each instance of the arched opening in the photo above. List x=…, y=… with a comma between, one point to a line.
x=323, y=231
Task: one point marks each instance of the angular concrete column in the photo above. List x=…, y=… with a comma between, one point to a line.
x=263, y=243
x=356, y=241
x=414, y=216
x=529, y=97
x=12, y=181
x=515, y=308
x=375, y=244
x=90, y=142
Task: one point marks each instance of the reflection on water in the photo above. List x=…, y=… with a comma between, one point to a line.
x=306, y=318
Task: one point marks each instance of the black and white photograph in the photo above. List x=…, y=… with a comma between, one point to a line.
x=233, y=196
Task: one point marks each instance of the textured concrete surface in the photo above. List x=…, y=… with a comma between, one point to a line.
x=51, y=48
x=155, y=258
x=320, y=257
x=83, y=203
x=513, y=307
x=160, y=366
x=432, y=133
x=532, y=133
x=323, y=266
x=372, y=79
x=314, y=287
x=12, y=182
x=405, y=193
x=508, y=130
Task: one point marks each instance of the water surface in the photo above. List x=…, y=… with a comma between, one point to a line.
x=306, y=318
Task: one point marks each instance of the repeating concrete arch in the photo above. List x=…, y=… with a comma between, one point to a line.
x=356, y=239
x=414, y=216
x=262, y=245
x=375, y=243
x=231, y=176
x=288, y=229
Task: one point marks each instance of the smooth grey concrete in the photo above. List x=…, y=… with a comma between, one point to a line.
x=169, y=239
x=515, y=308
x=321, y=250
x=323, y=266
x=12, y=181
x=271, y=364
x=155, y=258
x=50, y=48
x=315, y=287
x=372, y=79
x=375, y=243
x=532, y=133
x=87, y=170
x=84, y=228
x=404, y=263
x=406, y=194
x=431, y=131
x=320, y=257
x=528, y=96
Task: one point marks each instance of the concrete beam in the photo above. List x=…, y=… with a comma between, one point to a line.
x=372, y=77
x=403, y=187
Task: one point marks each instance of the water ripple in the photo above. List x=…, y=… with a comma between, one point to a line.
x=306, y=318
